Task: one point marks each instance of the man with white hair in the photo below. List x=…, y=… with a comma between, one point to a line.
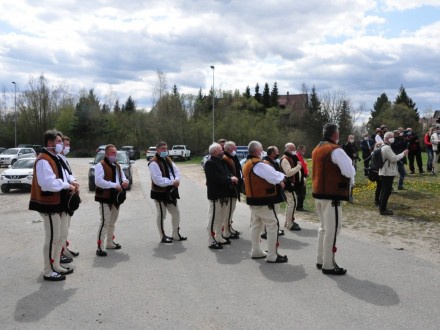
x=261, y=195
x=291, y=167
x=220, y=183
x=388, y=172
x=333, y=177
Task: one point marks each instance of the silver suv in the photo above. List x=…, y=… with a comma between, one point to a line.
x=11, y=155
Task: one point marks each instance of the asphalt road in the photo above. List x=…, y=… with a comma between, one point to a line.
x=149, y=285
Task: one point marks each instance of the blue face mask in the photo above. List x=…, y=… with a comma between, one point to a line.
x=163, y=154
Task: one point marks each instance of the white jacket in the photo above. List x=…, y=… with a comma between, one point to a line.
x=390, y=158
x=435, y=140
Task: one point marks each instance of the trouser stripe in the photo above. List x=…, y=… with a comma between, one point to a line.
x=51, y=242
x=212, y=221
x=161, y=218
x=278, y=227
x=336, y=203
x=102, y=226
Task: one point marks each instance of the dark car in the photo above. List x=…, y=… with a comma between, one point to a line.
x=121, y=158
x=133, y=152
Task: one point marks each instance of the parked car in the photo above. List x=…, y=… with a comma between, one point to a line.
x=121, y=158
x=101, y=148
x=11, y=155
x=18, y=176
x=36, y=147
x=150, y=152
x=2, y=149
x=179, y=152
x=133, y=152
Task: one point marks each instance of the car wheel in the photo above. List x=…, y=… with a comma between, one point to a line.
x=5, y=188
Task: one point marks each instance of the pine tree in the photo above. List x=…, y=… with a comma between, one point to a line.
x=274, y=95
x=266, y=96
x=345, y=121
x=116, y=107
x=257, y=95
x=247, y=94
x=175, y=92
x=382, y=103
x=403, y=97
x=130, y=105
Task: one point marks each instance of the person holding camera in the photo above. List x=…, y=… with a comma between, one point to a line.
x=291, y=167
x=165, y=181
x=49, y=193
x=110, y=184
x=415, y=151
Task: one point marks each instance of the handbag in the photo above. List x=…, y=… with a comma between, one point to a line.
x=73, y=201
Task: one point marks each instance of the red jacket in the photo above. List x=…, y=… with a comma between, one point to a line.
x=303, y=163
x=428, y=140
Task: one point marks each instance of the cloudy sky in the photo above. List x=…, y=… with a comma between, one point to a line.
x=360, y=47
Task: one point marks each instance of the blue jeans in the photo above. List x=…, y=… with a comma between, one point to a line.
x=430, y=158
x=402, y=173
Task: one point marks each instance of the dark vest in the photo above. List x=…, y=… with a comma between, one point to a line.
x=106, y=195
x=328, y=181
x=47, y=201
x=163, y=193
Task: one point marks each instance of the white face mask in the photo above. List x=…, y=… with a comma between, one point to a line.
x=260, y=155
x=66, y=150
x=336, y=142
x=391, y=140
x=366, y=138
x=351, y=140
x=233, y=153
x=59, y=148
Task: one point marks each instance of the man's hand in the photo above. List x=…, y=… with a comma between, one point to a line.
x=118, y=188
x=282, y=185
x=234, y=179
x=76, y=185
x=176, y=183
x=405, y=152
x=125, y=184
x=72, y=188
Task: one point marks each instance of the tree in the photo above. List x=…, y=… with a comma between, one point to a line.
x=130, y=105
x=345, y=121
x=117, y=108
x=274, y=95
x=160, y=88
x=266, y=96
x=247, y=94
x=175, y=92
x=403, y=98
x=257, y=95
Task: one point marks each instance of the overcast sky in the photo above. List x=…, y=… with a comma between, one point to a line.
x=361, y=47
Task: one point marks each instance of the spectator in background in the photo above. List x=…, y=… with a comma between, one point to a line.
x=429, y=151
x=398, y=147
x=414, y=151
x=435, y=139
x=367, y=146
x=305, y=172
x=222, y=143
x=351, y=150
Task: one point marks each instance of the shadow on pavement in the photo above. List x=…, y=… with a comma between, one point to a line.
x=304, y=232
x=39, y=304
x=169, y=251
x=282, y=272
x=372, y=293
x=289, y=243
x=239, y=250
x=111, y=260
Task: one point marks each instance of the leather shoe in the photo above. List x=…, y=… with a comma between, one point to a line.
x=386, y=212
x=319, y=266
x=167, y=239
x=66, y=271
x=180, y=238
x=54, y=277
x=227, y=242
x=280, y=232
x=334, y=271
x=73, y=253
x=101, y=253
x=280, y=259
x=295, y=227
x=232, y=236
x=114, y=246
x=233, y=231
x=216, y=246
x=65, y=260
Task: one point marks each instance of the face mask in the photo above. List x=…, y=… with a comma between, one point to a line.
x=163, y=154
x=66, y=150
x=59, y=148
x=366, y=138
x=112, y=158
x=337, y=141
x=391, y=140
x=351, y=141
x=233, y=153
x=260, y=156
x=276, y=156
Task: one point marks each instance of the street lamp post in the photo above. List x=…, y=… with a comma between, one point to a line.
x=15, y=113
x=213, y=96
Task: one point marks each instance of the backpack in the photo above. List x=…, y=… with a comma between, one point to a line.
x=377, y=161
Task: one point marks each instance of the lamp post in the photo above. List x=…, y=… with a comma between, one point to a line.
x=213, y=96
x=15, y=113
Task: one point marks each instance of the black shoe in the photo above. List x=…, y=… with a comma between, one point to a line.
x=167, y=239
x=227, y=242
x=115, y=246
x=101, y=253
x=264, y=235
x=279, y=260
x=319, y=266
x=295, y=227
x=422, y=171
x=301, y=209
x=233, y=231
x=386, y=212
x=66, y=271
x=75, y=254
x=334, y=271
x=216, y=246
x=401, y=188
x=65, y=260
x=181, y=238
x=280, y=232
x=412, y=172
x=54, y=277
x=231, y=236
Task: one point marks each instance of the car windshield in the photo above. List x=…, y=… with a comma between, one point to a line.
x=178, y=148
x=10, y=152
x=24, y=163
x=126, y=148
x=152, y=149
x=121, y=157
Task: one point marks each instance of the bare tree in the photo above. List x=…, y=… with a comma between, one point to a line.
x=160, y=88
x=331, y=104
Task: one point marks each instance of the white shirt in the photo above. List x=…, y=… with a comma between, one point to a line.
x=290, y=171
x=104, y=184
x=46, y=178
x=268, y=173
x=345, y=164
x=158, y=179
x=71, y=178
